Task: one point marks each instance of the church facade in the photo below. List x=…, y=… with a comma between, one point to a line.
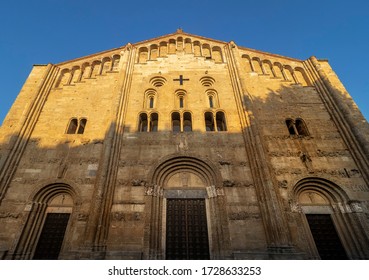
x=184, y=147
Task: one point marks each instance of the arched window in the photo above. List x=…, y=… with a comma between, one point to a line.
x=163, y=50
x=248, y=64
x=176, y=122
x=211, y=101
x=209, y=121
x=106, y=65
x=180, y=43
x=297, y=127
x=150, y=99
x=197, y=48
x=206, y=51
x=115, y=63
x=154, y=52
x=151, y=102
x=96, y=68
x=82, y=125
x=277, y=68
x=301, y=127
x=180, y=99
x=172, y=46
x=221, y=123
x=76, y=74
x=217, y=54
x=64, y=77
x=301, y=77
x=154, y=122
x=72, y=127
x=187, y=122
x=291, y=126
x=143, y=125
x=142, y=55
x=256, y=65
x=188, y=45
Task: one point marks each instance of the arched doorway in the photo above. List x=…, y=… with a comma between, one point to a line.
x=188, y=217
x=186, y=223
x=328, y=217
x=48, y=216
x=54, y=226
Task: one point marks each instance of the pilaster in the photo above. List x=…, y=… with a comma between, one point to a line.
x=276, y=227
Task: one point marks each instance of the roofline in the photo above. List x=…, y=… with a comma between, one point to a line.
x=179, y=33
x=271, y=54
x=90, y=55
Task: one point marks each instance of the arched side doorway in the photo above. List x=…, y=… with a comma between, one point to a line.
x=46, y=226
x=188, y=217
x=328, y=218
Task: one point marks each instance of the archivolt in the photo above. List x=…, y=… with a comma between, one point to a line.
x=46, y=193
x=162, y=171
x=323, y=186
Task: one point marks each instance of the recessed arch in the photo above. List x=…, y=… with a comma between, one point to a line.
x=162, y=171
x=195, y=177
x=322, y=186
x=44, y=200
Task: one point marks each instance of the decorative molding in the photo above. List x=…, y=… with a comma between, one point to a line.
x=243, y=215
x=138, y=182
x=153, y=190
x=4, y=215
x=126, y=216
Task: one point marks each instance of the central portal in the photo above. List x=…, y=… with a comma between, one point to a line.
x=186, y=230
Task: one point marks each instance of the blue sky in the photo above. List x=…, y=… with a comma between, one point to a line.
x=51, y=31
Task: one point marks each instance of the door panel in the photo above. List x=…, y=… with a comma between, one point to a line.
x=52, y=235
x=326, y=238
x=186, y=232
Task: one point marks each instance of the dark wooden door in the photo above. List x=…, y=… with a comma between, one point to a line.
x=326, y=238
x=52, y=235
x=186, y=230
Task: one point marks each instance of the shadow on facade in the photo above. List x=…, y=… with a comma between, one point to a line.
x=104, y=182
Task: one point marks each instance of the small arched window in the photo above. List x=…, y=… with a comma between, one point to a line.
x=291, y=126
x=82, y=125
x=297, y=127
x=221, y=122
x=176, y=122
x=209, y=121
x=154, y=118
x=143, y=125
x=301, y=127
x=72, y=127
x=76, y=127
x=211, y=101
x=151, y=102
x=181, y=102
x=187, y=122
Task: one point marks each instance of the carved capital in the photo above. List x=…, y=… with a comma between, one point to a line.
x=153, y=190
x=138, y=182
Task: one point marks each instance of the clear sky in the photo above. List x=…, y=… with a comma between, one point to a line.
x=52, y=31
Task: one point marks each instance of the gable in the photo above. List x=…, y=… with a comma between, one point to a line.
x=180, y=43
